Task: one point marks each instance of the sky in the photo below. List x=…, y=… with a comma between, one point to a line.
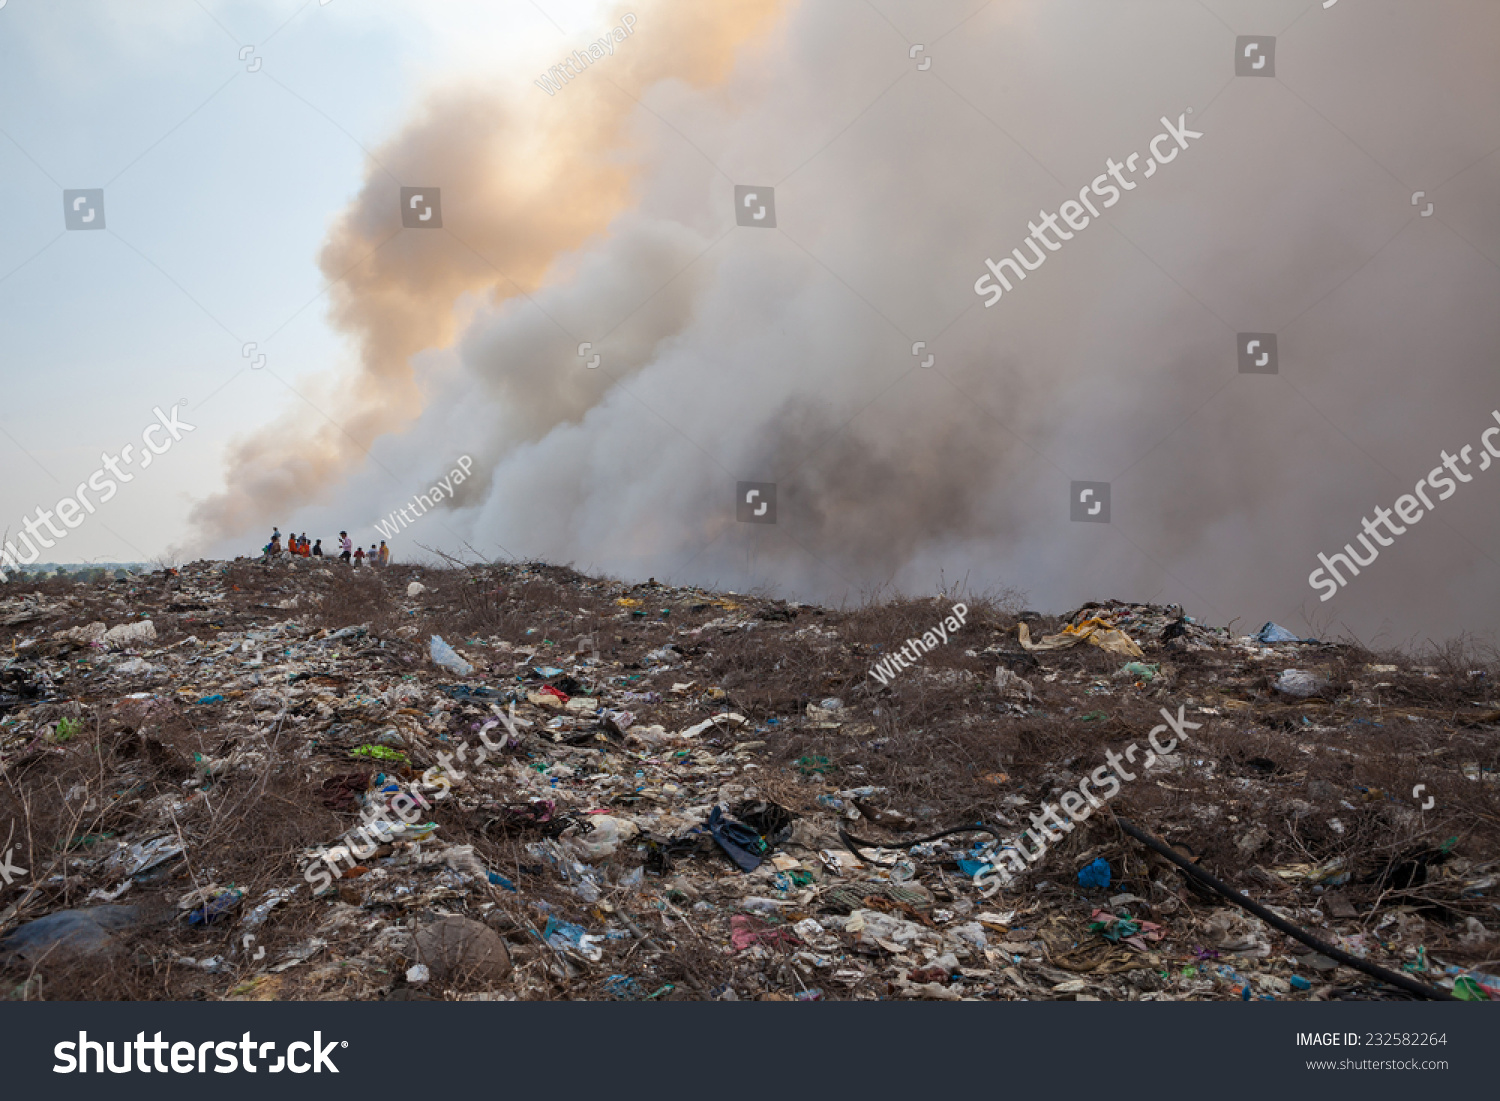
x=1280, y=328
x=220, y=185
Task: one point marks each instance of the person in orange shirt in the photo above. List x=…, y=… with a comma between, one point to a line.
x=385, y=554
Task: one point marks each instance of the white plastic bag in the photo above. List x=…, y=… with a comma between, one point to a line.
x=447, y=657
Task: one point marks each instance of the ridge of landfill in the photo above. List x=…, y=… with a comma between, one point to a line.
x=665, y=793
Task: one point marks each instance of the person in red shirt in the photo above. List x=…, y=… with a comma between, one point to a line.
x=359, y=556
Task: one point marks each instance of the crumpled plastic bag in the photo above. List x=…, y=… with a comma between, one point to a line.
x=871, y=928
x=1299, y=683
x=1275, y=632
x=1095, y=875
x=739, y=842
x=607, y=835
x=726, y=720
x=564, y=936
x=1007, y=681
x=745, y=930
x=447, y=657
x=1235, y=934
x=1095, y=631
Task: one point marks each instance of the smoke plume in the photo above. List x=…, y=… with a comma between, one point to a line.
x=606, y=215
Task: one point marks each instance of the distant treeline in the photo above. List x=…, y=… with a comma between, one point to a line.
x=79, y=571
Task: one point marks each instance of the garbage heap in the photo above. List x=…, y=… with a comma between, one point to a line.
x=299, y=780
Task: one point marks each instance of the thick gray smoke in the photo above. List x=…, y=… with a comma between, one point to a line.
x=738, y=353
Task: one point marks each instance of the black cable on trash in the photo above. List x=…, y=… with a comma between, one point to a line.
x=1410, y=985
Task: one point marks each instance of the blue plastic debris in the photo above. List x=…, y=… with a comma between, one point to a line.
x=1274, y=632
x=1299, y=983
x=222, y=903
x=623, y=987
x=563, y=934
x=215, y=698
x=1095, y=874
x=501, y=881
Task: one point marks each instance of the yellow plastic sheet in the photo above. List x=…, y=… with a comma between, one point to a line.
x=1095, y=631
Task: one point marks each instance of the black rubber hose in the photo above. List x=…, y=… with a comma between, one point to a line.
x=1405, y=982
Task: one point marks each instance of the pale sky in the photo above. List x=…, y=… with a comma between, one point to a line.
x=220, y=185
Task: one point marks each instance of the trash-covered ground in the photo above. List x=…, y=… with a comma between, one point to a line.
x=186, y=758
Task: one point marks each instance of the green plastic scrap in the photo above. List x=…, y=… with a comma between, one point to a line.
x=85, y=841
x=1113, y=931
x=810, y=766
x=379, y=753
x=1146, y=672
x=1466, y=989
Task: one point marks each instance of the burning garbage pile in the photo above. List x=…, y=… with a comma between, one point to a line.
x=290, y=780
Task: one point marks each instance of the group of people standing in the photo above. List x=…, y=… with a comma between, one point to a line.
x=348, y=552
